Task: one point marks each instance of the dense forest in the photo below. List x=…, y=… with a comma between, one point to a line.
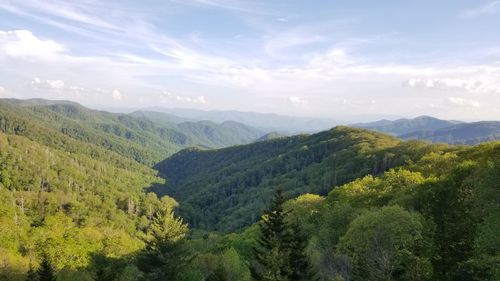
x=226, y=189
x=344, y=204
x=145, y=138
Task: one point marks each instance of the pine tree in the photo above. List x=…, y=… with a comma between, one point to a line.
x=166, y=255
x=299, y=261
x=272, y=254
x=31, y=275
x=281, y=255
x=46, y=272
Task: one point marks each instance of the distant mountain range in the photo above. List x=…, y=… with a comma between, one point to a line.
x=151, y=135
x=268, y=122
x=405, y=126
x=437, y=130
x=143, y=136
x=465, y=133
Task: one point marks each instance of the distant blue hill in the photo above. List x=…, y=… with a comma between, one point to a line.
x=437, y=130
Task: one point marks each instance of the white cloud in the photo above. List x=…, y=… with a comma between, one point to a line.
x=471, y=85
x=2, y=92
x=443, y=83
x=326, y=76
x=488, y=9
x=167, y=97
x=457, y=101
x=23, y=44
x=297, y=100
x=116, y=95
x=47, y=84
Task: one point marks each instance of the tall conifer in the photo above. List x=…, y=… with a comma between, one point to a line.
x=46, y=271
x=280, y=255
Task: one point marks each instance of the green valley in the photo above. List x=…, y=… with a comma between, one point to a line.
x=79, y=201
x=227, y=189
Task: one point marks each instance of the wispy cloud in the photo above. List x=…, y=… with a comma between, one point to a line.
x=455, y=84
x=169, y=98
x=297, y=100
x=246, y=7
x=260, y=55
x=488, y=9
x=457, y=101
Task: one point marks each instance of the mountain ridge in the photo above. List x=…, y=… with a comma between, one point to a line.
x=226, y=189
x=137, y=137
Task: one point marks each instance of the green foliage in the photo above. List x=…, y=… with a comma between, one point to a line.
x=166, y=256
x=272, y=255
x=226, y=189
x=444, y=206
x=405, y=126
x=384, y=245
x=166, y=228
x=31, y=274
x=280, y=254
x=69, y=206
x=138, y=137
x=74, y=192
x=45, y=271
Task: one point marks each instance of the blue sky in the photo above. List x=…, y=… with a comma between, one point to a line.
x=331, y=59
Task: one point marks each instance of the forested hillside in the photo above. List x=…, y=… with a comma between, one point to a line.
x=390, y=210
x=405, y=126
x=226, y=189
x=436, y=218
x=436, y=130
x=468, y=133
x=70, y=205
x=137, y=137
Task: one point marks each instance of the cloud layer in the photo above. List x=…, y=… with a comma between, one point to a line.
x=290, y=59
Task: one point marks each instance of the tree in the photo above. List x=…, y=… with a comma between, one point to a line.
x=301, y=269
x=385, y=245
x=166, y=256
x=234, y=266
x=31, y=275
x=46, y=271
x=272, y=254
x=281, y=252
x=219, y=274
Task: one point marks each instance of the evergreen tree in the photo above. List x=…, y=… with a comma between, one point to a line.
x=31, y=275
x=272, y=255
x=281, y=253
x=301, y=269
x=46, y=272
x=166, y=256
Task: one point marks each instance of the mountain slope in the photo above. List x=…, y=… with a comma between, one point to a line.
x=270, y=136
x=226, y=189
x=70, y=200
x=137, y=137
x=404, y=126
x=265, y=121
x=468, y=133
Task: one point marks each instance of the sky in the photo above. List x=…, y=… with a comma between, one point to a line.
x=330, y=59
